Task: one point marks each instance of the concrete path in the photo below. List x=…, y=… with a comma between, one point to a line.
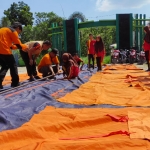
x=21, y=70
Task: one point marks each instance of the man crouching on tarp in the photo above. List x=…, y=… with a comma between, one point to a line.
x=49, y=64
x=70, y=67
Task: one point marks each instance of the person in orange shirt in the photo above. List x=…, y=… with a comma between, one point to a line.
x=90, y=50
x=49, y=64
x=9, y=36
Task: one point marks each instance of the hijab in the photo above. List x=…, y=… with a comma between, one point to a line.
x=99, y=45
x=69, y=59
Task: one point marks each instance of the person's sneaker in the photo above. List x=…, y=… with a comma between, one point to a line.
x=31, y=79
x=37, y=77
x=51, y=77
x=15, y=85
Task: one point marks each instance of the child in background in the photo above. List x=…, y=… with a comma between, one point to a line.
x=78, y=60
x=90, y=50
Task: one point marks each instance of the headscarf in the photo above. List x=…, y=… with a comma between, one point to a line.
x=69, y=62
x=147, y=35
x=99, y=45
x=68, y=58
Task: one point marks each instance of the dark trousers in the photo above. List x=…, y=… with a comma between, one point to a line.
x=98, y=61
x=31, y=69
x=8, y=62
x=147, y=58
x=90, y=56
x=45, y=70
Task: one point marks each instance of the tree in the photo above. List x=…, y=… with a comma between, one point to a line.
x=108, y=35
x=78, y=15
x=27, y=34
x=4, y=22
x=19, y=12
x=43, y=21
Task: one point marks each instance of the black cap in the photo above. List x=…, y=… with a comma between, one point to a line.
x=17, y=25
x=55, y=51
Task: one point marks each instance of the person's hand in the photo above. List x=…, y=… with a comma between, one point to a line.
x=53, y=74
x=31, y=62
x=65, y=78
x=59, y=71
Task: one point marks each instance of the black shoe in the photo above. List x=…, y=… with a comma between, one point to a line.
x=52, y=77
x=15, y=85
x=31, y=79
x=1, y=87
x=37, y=77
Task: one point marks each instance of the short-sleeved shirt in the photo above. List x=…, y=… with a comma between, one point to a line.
x=8, y=36
x=47, y=60
x=37, y=47
x=91, y=46
x=78, y=60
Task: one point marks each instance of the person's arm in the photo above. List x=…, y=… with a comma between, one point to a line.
x=30, y=55
x=58, y=70
x=16, y=41
x=70, y=71
x=51, y=69
x=82, y=63
x=36, y=56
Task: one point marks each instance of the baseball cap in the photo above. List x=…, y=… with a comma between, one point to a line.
x=55, y=51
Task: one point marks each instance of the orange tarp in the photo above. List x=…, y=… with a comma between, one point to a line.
x=139, y=124
x=96, y=128
x=117, y=87
x=22, y=77
x=80, y=129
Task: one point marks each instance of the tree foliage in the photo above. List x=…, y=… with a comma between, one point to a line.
x=40, y=30
x=4, y=22
x=108, y=35
x=19, y=12
x=78, y=15
x=43, y=21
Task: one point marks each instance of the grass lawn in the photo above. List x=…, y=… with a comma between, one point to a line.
x=106, y=60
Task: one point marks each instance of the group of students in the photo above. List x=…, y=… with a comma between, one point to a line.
x=48, y=66
x=95, y=49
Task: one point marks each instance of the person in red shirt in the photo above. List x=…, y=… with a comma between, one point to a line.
x=70, y=67
x=78, y=60
x=90, y=49
x=99, y=52
x=146, y=45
